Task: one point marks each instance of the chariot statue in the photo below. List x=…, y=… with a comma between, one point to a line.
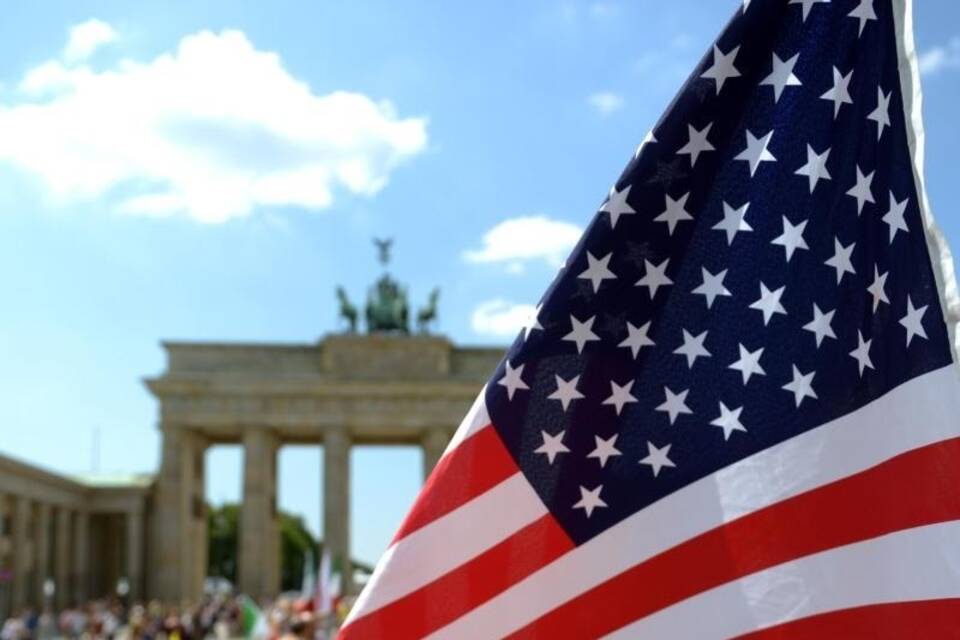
x=387, y=309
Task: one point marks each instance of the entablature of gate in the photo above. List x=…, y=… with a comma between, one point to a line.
x=380, y=388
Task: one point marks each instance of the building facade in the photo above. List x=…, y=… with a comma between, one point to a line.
x=82, y=538
x=63, y=539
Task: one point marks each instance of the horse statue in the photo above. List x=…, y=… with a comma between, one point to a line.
x=348, y=312
x=428, y=314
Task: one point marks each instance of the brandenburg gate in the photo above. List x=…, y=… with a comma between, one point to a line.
x=384, y=387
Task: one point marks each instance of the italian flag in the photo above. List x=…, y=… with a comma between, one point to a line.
x=254, y=620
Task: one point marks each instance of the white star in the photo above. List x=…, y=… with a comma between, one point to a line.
x=864, y=11
x=674, y=212
x=675, y=404
x=881, y=115
x=913, y=321
x=722, y=68
x=895, y=216
x=807, y=5
x=581, y=333
x=729, y=421
x=712, y=286
x=820, y=325
x=636, y=338
x=657, y=459
x=756, y=151
x=876, y=289
x=769, y=302
x=801, y=385
x=566, y=391
x=861, y=191
x=654, y=277
x=692, y=347
x=816, y=167
x=532, y=323
x=840, y=93
x=792, y=237
x=590, y=499
x=734, y=220
x=604, y=449
x=697, y=143
x=552, y=446
x=512, y=379
x=749, y=363
x=782, y=76
x=650, y=138
x=597, y=270
x=617, y=205
x=620, y=396
x=862, y=353
x=841, y=259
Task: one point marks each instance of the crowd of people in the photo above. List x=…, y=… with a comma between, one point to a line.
x=220, y=617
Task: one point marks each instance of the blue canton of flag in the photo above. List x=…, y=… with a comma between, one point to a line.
x=759, y=269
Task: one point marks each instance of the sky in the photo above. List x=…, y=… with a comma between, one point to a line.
x=213, y=171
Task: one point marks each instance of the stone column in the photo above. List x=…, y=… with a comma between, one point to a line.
x=41, y=537
x=61, y=560
x=434, y=443
x=180, y=518
x=134, y=553
x=259, y=569
x=6, y=552
x=336, y=503
x=22, y=553
x=81, y=557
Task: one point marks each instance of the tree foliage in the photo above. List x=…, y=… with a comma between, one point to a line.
x=295, y=541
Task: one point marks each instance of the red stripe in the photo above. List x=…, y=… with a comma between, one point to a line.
x=454, y=594
x=475, y=466
x=920, y=619
x=913, y=489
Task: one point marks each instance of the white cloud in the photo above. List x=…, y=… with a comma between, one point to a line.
x=518, y=241
x=212, y=129
x=500, y=318
x=87, y=37
x=606, y=102
x=941, y=58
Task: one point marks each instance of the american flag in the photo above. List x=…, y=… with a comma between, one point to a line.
x=735, y=411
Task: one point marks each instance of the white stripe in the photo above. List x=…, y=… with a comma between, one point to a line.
x=940, y=256
x=476, y=419
x=919, y=412
x=449, y=541
x=914, y=564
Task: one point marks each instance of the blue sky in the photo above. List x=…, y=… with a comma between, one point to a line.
x=184, y=172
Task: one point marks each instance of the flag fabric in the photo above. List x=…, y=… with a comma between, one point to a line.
x=328, y=586
x=736, y=409
x=253, y=620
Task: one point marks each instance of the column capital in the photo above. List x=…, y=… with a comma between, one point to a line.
x=436, y=435
x=337, y=435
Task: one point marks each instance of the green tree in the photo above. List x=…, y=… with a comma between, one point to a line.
x=222, y=528
x=295, y=542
